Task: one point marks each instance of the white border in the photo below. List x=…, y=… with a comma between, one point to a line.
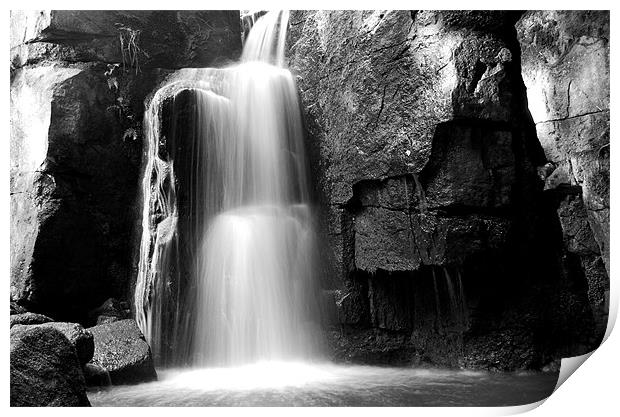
x=591, y=391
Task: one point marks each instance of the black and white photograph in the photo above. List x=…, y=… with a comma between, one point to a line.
x=306, y=208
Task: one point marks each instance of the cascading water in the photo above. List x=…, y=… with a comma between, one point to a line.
x=227, y=251
x=227, y=258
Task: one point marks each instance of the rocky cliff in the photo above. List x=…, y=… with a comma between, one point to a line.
x=443, y=244
x=78, y=84
x=566, y=70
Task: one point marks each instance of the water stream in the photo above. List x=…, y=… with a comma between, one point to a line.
x=226, y=291
x=226, y=262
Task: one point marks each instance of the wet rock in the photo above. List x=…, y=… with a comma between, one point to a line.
x=370, y=347
x=80, y=338
x=45, y=370
x=29, y=319
x=397, y=241
x=120, y=349
x=96, y=376
x=352, y=304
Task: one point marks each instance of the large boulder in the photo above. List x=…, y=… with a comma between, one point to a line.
x=120, y=348
x=28, y=319
x=80, y=338
x=45, y=370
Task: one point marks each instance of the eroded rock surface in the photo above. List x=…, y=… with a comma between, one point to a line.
x=426, y=158
x=45, y=370
x=566, y=70
x=78, y=336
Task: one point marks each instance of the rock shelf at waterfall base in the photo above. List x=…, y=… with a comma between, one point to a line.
x=313, y=208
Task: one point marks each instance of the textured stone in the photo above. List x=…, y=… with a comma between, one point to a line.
x=426, y=161
x=164, y=38
x=377, y=83
x=120, y=348
x=565, y=60
x=29, y=319
x=45, y=370
x=73, y=185
x=78, y=336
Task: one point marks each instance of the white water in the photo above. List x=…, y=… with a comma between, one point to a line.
x=226, y=258
x=301, y=384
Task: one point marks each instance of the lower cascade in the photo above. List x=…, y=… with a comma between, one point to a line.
x=227, y=250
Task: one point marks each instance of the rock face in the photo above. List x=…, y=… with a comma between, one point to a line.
x=565, y=61
x=440, y=236
x=78, y=84
x=150, y=38
x=28, y=319
x=79, y=337
x=45, y=370
x=120, y=348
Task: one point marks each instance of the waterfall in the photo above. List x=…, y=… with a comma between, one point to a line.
x=228, y=246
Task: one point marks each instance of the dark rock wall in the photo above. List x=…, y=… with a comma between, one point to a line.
x=443, y=247
x=78, y=84
x=566, y=71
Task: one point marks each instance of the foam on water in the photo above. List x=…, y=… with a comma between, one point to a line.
x=323, y=384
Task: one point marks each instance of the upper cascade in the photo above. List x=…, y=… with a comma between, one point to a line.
x=267, y=39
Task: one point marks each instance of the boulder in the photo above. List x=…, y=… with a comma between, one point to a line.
x=45, y=369
x=28, y=319
x=80, y=338
x=120, y=349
